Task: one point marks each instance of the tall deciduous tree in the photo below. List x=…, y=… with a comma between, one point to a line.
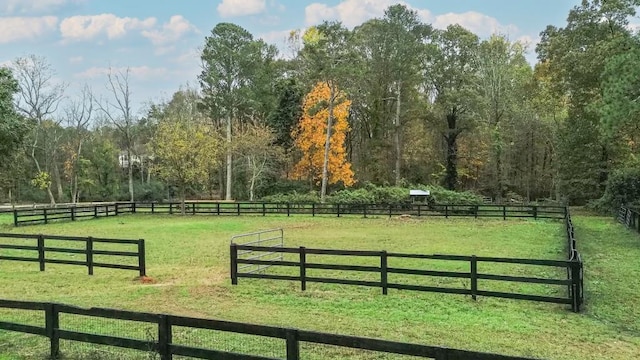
x=39, y=98
x=185, y=146
x=310, y=138
x=235, y=70
x=451, y=78
x=79, y=113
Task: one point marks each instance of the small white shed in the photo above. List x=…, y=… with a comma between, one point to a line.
x=419, y=196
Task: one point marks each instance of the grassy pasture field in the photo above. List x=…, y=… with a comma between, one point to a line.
x=188, y=257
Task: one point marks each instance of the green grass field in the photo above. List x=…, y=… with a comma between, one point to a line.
x=188, y=259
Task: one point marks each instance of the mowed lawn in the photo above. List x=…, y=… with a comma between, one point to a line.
x=188, y=258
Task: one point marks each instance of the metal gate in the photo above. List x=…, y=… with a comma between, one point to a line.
x=266, y=238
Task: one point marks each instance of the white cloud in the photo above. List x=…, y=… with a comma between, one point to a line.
x=25, y=28
x=232, y=8
x=76, y=59
x=31, y=6
x=136, y=72
x=476, y=22
x=172, y=31
x=80, y=28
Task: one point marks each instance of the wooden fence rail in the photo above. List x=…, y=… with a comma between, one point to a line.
x=629, y=218
x=164, y=345
x=573, y=281
x=44, y=216
x=44, y=244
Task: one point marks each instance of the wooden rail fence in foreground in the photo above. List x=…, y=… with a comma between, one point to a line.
x=163, y=344
x=73, y=213
x=34, y=248
x=572, y=282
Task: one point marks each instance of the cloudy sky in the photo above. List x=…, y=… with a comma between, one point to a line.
x=159, y=39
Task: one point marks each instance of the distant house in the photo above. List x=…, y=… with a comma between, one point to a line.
x=123, y=160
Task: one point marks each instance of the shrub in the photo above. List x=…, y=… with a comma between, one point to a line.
x=292, y=198
x=623, y=188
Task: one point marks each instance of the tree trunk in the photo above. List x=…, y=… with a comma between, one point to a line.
x=229, y=161
x=130, y=171
x=252, y=178
x=327, y=146
x=58, y=179
x=451, y=137
x=396, y=137
x=183, y=199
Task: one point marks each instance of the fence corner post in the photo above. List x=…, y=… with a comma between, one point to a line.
x=474, y=277
x=234, y=264
x=293, y=344
x=52, y=324
x=164, y=337
x=383, y=272
x=303, y=268
x=142, y=261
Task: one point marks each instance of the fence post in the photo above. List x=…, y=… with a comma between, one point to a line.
x=170, y=208
x=142, y=261
x=193, y=209
x=288, y=209
x=238, y=208
x=575, y=279
x=133, y=207
x=264, y=209
x=504, y=212
x=475, y=211
x=15, y=217
x=164, y=337
x=389, y=211
x=313, y=209
x=419, y=207
x=95, y=211
x=446, y=211
x=117, y=212
x=46, y=221
x=52, y=324
x=73, y=213
x=364, y=210
x=234, y=264
x=303, y=268
x=153, y=207
x=90, y=255
x=535, y=212
x=293, y=344
x=383, y=272
x=474, y=277
x=41, y=258
x=338, y=209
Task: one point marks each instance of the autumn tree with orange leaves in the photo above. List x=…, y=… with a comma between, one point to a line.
x=309, y=138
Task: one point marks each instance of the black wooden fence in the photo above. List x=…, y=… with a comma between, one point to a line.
x=14, y=248
x=572, y=282
x=629, y=218
x=44, y=216
x=165, y=346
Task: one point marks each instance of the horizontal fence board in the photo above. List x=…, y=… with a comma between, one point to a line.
x=17, y=258
x=229, y=326
x=22, y=305
x=539, y=298
x=19, y=236
x=65, y=262
x=342, y=281
x=554, y=263
x=523, y=279
x=269, y=276
x=268, y=262
x=343, y=267
x=121, y=342
x=114, y=253
x=115, y=266
x=109, y=313
x=429, y=289
x=18, y=247
x=27, y=329
x=64, y=250
x=212, y=354
x=429, y=273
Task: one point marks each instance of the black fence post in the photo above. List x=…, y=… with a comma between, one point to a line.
x=142, y=258
x=73, y=213
x=535, y=212
x=288, y=209
x=575, y=279
x=41, y=258
x=419, y=207
x=474, y=277
x=383, y=272
x=193, y=209
x=504, y=212
x=15, y=217
x=303, y=268
x=95, y=211
x=313, y=209
x=164, y=337
x=218, y=209
x=117, y=211
x=364, y=210
x=170, y=208
x=293, y=344
x=338, y=209
x=238, y=208
x=475, y=211
x=264, y=209
x=52, y=324
x=90, y=255
x=234, y=264
x=153, y=207
x=389, y=211
x=46, y=220
x=446, y=211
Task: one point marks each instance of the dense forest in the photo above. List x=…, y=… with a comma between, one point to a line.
x=392, y=102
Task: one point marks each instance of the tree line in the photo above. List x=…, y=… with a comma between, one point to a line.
x=393, y=101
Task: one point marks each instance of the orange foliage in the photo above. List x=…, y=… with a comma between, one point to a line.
x=310, y=137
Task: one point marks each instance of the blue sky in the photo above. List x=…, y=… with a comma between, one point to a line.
x=159, y=39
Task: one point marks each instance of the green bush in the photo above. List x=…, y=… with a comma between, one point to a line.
x=443, y=196
x=623, y=188
x=293, y=198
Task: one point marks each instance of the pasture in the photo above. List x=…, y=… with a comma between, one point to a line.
x=188, y=259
